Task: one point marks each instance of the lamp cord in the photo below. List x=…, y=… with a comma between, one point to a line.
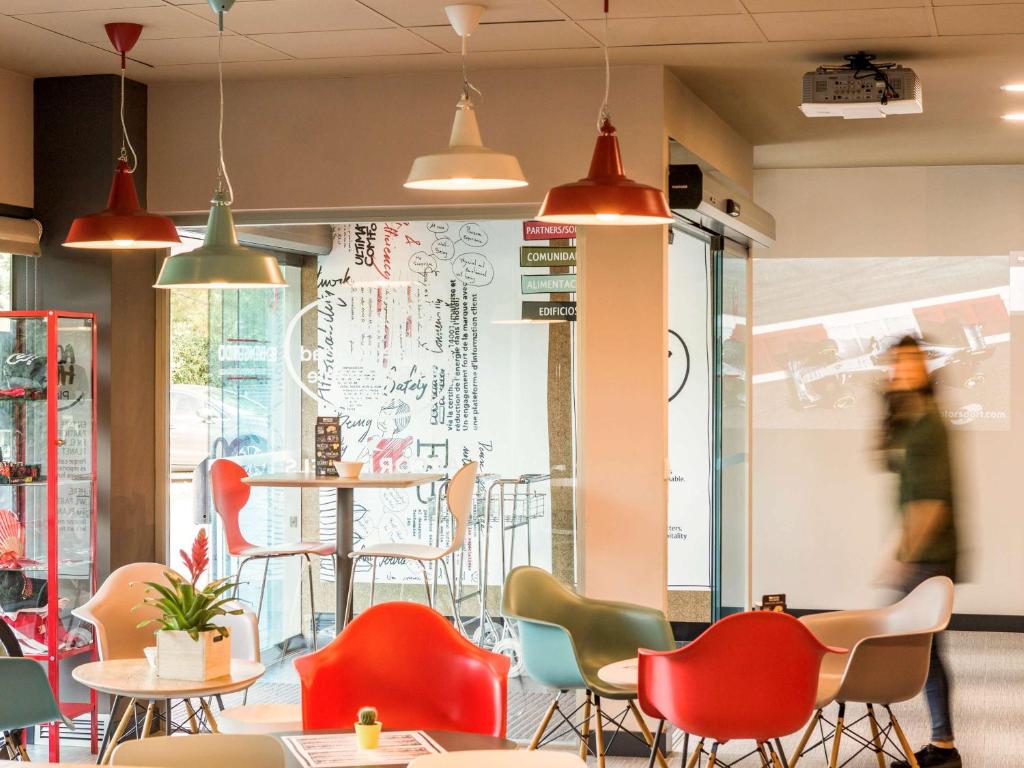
x=467, y=87
x=604, y=114
x=126, y=143
x=222, y=171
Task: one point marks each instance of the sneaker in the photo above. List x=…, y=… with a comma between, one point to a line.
x=933, y=757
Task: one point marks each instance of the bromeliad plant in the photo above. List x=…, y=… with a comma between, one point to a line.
x=183, y=605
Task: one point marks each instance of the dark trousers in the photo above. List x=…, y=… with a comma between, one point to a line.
x=937, y=686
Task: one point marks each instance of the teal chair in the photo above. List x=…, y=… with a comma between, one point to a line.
x=33, y=705
x=566, y=638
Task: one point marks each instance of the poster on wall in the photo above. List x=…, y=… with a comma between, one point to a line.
x=420, y=358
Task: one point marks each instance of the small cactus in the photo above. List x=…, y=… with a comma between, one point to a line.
x=367, y=716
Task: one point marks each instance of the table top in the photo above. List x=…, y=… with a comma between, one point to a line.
x=365, y=480
x=135, y=678
x=623, y=673
x=453, y=741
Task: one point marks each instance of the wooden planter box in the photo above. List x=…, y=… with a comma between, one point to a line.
x=179, y=657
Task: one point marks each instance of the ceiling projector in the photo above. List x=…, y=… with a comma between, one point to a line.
x=861, y=89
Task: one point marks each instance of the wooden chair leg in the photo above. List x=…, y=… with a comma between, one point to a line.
x=193, y=722
x=209, y=716
x=763, y=755
x=147, y=724
x=599, y=730
x=539, y=734
x=713, y=757
x=799, y=752
x=647, y=734
x=695, y=757
x=875, y=738
x=118, y=732
x=834, y=761
x=585, y=741
x=904, y=744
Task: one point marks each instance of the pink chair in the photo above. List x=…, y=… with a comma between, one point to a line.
x=230, y=495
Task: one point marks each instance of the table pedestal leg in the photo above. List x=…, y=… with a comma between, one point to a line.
x=343, y=563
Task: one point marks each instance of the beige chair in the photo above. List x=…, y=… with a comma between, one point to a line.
x=460, y=504
x=118, y=635
x=206, y=751
x=890, y=651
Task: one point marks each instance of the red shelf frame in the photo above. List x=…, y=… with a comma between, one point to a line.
x=54, y=655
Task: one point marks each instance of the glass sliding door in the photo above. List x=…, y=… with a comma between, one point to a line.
x=230, y=397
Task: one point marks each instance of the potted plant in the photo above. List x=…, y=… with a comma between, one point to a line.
x=368, y=728
x=189, y=645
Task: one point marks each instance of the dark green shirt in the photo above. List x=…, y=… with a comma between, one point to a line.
x=919, y=450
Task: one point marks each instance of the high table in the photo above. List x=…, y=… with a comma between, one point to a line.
x=452, y=741
x=136, y=680
x=345, y=510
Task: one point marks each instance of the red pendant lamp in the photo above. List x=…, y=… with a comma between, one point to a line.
x=123, y=224
x=605, y=195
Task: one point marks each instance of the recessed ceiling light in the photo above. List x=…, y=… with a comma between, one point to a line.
x=1015, y=116
x=1013, y=87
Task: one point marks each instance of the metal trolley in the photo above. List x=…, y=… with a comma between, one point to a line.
x=511, y=505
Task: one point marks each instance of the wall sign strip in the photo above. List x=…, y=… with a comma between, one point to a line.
x=547, y=256
x=548, y=283
x=542, y=230
x=549, y=310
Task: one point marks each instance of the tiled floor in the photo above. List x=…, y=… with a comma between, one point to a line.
x=988, y=678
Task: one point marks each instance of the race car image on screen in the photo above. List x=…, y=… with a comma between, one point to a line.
x=830, y=375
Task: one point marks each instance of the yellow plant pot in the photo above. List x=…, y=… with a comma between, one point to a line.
x=368, y=736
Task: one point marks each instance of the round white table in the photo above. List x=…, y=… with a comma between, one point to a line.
x=136, y=680
x=622, y=673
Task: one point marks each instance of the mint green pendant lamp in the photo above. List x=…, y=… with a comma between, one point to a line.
x=221, y=262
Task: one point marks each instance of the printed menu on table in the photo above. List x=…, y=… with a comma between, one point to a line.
x=340, y=750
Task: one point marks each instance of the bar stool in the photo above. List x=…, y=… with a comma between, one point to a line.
x=230, y=495
x=460, y=504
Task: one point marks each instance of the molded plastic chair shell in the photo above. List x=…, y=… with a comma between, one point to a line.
x=245, y=631
x=202, y=751
x=27, y=698
x=411, y=664
x=890, y=647
x=112, y=611
x=566, y=638
x=749, y=676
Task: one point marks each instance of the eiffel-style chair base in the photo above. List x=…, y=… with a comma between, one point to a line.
x=880, y=741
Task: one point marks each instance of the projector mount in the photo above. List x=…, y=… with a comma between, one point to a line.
x=863, y=66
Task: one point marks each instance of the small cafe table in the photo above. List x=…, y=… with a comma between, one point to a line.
x=452, y=741
x=136, y=680
x=345, y=510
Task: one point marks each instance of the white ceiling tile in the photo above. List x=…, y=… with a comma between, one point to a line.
x=631, y=9
x=424, y=13
x=38, y=52
x=366, y=42
x=513, y=36
x=295, y=16
x=845, y=24
x=980, y=19
x=158, y=23
x=677, y=30
x=199, y=50
x=777, y=6
x=11, y=7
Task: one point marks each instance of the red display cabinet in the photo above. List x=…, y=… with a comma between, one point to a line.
x=48, y=495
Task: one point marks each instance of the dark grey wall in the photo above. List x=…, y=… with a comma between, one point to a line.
x=77, y=141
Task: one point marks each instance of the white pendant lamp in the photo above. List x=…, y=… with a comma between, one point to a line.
x=466, y=164
x=221, y=262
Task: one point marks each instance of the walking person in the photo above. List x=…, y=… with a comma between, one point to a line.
x=915, y=443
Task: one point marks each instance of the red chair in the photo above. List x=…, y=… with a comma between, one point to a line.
x=752, y=676
x=410, y=663
x=230, y=495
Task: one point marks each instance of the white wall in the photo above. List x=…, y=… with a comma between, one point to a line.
x=822, y=512
x=15, y=139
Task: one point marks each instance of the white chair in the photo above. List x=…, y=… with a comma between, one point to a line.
x=890, y=652
x=206, y=751
x=460, y=504
x=498, y=758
